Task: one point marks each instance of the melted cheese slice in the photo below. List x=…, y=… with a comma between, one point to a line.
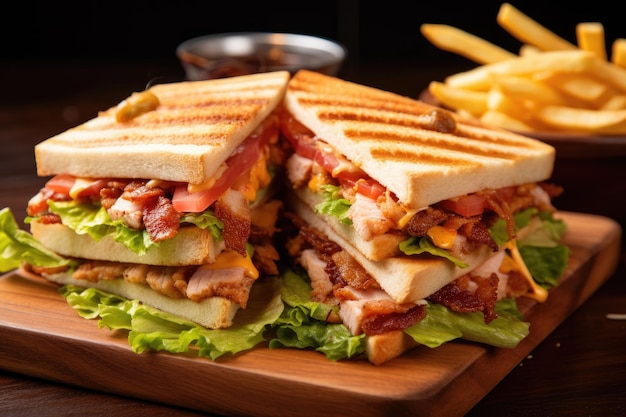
x=232, y=259
x=442, y=236
x=80, y=185
x=538, y=292
x=405, y=219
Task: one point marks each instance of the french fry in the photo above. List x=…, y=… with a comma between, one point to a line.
x=581, y=120
x=586, y=90
x=590, y=37
x=618, y=52
x=526, y=50
x=527, y=88
x=610, y=73
x=530, y=31
x=497, y=102
x=473, y=102
x=479, y=78
x=465, y=44
x=500, y=105
x=504, y=121
x=615, y=102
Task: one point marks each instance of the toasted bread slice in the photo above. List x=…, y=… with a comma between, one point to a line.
x=212, y=312
x=405, y=279
x=193, y=129
x=384, y=347
x=395, y=140
x=191, y=246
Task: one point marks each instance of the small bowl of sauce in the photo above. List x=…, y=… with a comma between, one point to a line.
x=230, y=54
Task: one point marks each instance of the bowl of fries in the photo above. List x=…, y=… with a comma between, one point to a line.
x=572, y=96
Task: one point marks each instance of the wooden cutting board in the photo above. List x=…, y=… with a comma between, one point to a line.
x=41, y=336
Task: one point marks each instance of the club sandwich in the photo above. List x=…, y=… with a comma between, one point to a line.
x=403, y=207
x=383, y=222
x=167, y=197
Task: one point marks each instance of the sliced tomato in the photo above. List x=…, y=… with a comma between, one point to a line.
x=64, y=184
x=240, y=162
x=362, y=184
x=327, y=160
x=468, y=206
x=302, y=139
x=370, y=188
x=61, y=183
x=506, y=193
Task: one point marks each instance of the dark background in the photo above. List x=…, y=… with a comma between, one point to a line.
x=373, y=30
x=57, y=34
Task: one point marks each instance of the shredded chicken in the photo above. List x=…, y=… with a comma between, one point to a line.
x=231, y=283
x=233, y=211
x=175, y=282
x=367, y=218
x=298, y=170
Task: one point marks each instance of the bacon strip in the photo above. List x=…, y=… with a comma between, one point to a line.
x=460, y=298
x=374, y=312
x=162, y=221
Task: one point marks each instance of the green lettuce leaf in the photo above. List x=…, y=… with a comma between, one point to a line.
x=302, y=324
x=539, y=244
x=17, y=246
x=442, y=325
x=333, y=204
x=282, y=304
x=296, y=328
x=418, y=245
x=93, y=219
x=205, y=220
x=152, y=329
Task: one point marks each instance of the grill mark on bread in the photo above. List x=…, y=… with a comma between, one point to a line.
x=388, y=109
x=212, y=123
x=408, y=117
x=401, y=155
x=203, y=116
x=129, y=137
x=433, y=140
x=412, y=122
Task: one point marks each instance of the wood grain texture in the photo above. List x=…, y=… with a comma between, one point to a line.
x=41, y=336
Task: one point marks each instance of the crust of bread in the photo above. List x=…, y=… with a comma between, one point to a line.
x=405, y=279
x=212, y=313
x=191, y=246
x=195, y=128
x=384, y=347
x=384, y=134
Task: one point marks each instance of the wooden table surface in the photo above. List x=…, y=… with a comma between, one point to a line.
x=577, y=371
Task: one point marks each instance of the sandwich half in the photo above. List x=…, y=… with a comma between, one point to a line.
x=167, y=197
x=402, y=206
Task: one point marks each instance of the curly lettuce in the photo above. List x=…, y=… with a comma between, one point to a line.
x=539, y=243
x=93, y=219
x=153, y=329
x=333, y=204
x=17, y=246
